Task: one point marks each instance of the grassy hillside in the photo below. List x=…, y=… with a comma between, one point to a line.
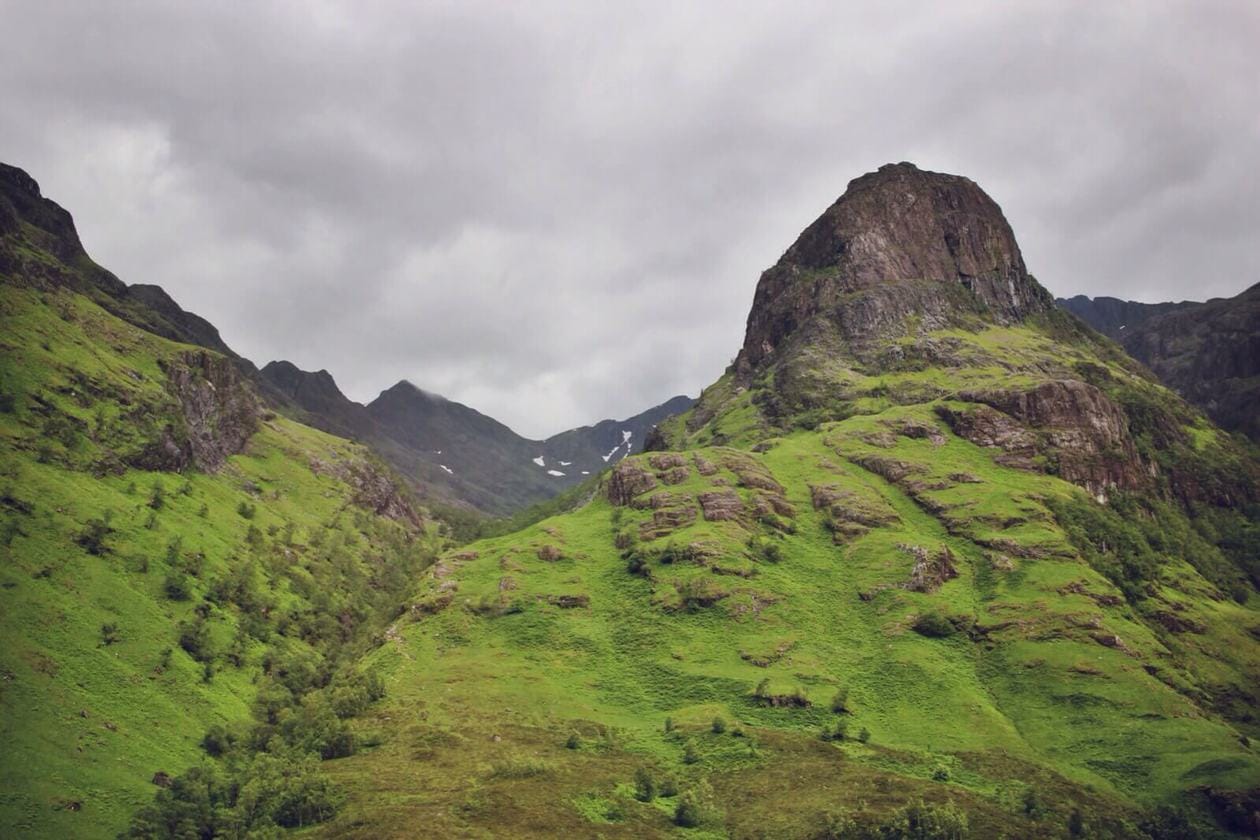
x=139, y=608
x=963, y=622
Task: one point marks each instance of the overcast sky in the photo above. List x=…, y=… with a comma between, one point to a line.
x=558, y=213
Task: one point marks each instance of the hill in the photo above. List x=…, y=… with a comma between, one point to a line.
x=179, y=560
x=929, y=540
x=1207, y=352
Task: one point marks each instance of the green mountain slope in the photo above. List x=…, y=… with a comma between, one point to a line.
x=173, y=555
x=928, y=538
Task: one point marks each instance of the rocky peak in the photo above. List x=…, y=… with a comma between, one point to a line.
x=881, y=254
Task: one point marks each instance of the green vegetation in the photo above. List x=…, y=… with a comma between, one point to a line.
x=143, y=611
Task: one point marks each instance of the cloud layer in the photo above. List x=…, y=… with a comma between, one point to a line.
x=558, y=212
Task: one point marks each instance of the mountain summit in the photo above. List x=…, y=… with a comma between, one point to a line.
x=900, y=242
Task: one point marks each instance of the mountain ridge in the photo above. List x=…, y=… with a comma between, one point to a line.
x=1206, y=351
x=456, y=449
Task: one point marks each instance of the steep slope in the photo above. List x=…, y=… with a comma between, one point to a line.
x=927, y=538
x=1207, y=352
x=456, y=453
x=174, y=556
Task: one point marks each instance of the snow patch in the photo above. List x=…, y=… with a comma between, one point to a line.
x=449, y=471
x=565, y=463
x=554, y=472
x=586, y=472
x=540, y=462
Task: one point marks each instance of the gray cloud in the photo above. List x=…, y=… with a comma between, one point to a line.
x=557, y=213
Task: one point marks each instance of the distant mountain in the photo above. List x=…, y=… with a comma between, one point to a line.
x=1113, y=317
x=455, y=452
x=1208, y=352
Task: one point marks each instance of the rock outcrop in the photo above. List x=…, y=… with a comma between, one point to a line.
x=217, y=414
x=900, y=242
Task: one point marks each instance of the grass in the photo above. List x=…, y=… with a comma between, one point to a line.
x=85, y=725
x=1035, y=691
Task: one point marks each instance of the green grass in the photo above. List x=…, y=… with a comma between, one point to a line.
x=86, y=725
x=1036, y=690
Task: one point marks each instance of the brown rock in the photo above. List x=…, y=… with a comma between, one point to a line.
x=721, y=505
x=629, y=479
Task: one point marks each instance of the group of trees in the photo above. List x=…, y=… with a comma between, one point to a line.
x=301, y=614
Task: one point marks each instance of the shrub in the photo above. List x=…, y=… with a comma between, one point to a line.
x=695, y=807
x=669, y=724
x=840, y=701
x=194, y=638
x=668, y=787
x=109, y=634
x=158, y=499
x=644, y=785
x=933, y=625
x=1076, y=824
x=1032, y=805
x=217, y=741
x=690, y=756
x=246, y=510
x=865, y=735
x=918, y=821
x=719, y=726
x=836, y=732
x=940, y=774
x=574, y=742
x=92, y=537
x=176, y=585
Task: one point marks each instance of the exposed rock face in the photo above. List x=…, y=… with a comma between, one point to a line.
x=218, y=414
x=1083, y=435
x=899, y=242
x=1207, y=352
x=629, y=479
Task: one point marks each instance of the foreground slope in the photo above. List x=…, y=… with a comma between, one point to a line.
x=173, y=555
x=927, y=538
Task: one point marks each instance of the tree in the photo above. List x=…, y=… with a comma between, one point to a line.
x=644, y=785
x=109, y=634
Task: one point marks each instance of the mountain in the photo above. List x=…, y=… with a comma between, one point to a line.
x=180, y=566
x=457, y=454
x=931, y=559
x=1112, y=316
x=1207, y=352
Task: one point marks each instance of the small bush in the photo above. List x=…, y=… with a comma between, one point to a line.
x=246, y=510
x=109, y=634
x=157, y=500
x=669, y=724
x=719, y=726
x=933, y=625
x=574, y=742
x=644, y=785
x=690, y=756
x=176, y=585
x=92, y=537
x=840, y=702
x=865, y=735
